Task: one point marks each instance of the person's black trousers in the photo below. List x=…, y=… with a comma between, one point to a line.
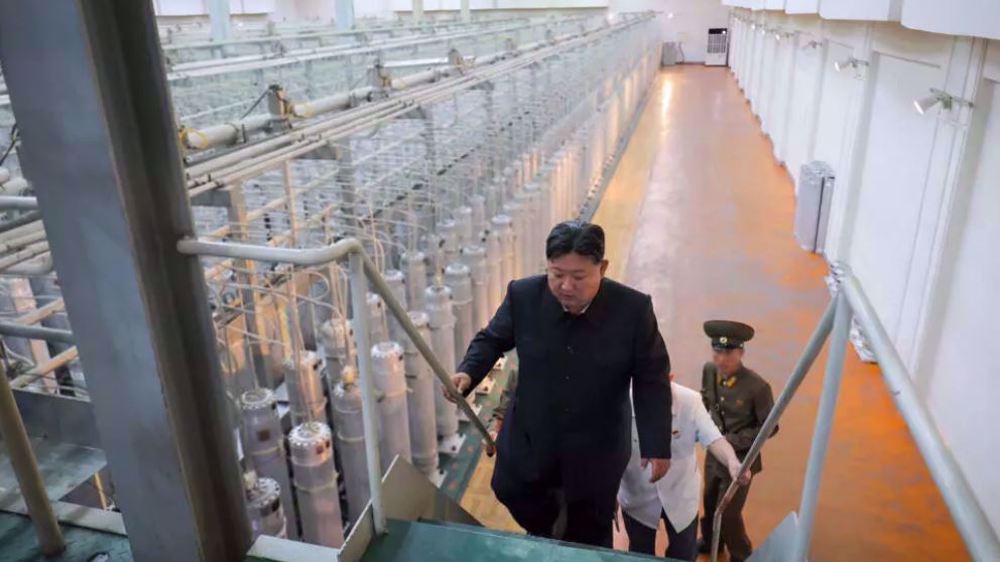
x=734, y=534
x=547, y=508
x=681, y=545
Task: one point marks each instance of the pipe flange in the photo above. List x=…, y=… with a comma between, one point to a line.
x=258, y=399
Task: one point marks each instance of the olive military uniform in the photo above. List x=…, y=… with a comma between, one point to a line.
x=739, y=405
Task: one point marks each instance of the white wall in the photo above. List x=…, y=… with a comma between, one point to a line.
x=916, y=209
x=199, y=7
x=972, y=270
x=689, y=23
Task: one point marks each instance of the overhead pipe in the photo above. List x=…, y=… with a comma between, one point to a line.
x=20, y=220
x=16, y=330
x=216, y=135
x=25, y=254
x=320, y=34
x=38, y=267
x=229, y=133
x=17, y=201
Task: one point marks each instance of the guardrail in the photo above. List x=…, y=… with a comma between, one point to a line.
x=850, y=301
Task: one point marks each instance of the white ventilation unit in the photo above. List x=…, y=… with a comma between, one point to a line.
x=718, y=47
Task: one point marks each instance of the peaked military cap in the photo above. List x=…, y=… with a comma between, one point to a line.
x=727, y=334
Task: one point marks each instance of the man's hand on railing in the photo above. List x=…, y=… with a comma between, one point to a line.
x=734, y=473
x=489, y=449
x=462, y=382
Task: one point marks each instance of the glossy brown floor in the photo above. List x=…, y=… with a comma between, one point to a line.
x=699, y=215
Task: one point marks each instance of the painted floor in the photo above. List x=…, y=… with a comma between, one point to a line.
x=699, y=215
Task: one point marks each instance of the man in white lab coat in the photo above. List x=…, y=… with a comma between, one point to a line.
x=677, y=495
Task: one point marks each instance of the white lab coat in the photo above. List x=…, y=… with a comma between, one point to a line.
x=679, y=492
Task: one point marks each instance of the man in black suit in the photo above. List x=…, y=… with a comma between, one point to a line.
x=581, y=341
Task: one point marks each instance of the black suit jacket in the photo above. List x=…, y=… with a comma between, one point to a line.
x=572, y=396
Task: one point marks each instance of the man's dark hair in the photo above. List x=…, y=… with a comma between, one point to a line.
x=575, y=237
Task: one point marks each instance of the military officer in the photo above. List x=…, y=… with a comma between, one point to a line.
x=739, y=401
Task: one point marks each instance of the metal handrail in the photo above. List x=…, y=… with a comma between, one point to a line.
x=850, y=300
x=802, y=367
x=970, y=520
x=361, y=269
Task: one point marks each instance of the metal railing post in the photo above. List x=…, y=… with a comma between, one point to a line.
x=359, y=306
x=29, y=479
x=824, y=425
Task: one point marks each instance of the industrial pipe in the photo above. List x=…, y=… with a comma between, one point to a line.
x=29, y=479
x=229, y=133
x=200, y=139
x=38, y=267
x=19, y=221
x=13, y=329
x=15, y=201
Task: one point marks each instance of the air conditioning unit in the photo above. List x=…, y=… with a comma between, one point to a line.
x=717, y=53
x=812, y=208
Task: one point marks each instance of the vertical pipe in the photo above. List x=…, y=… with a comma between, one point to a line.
x=466, y=13
x=218, y=16
x=824, y=425
x=22, y=458
x=418, y=11
x=359, y=292
x=344, y=14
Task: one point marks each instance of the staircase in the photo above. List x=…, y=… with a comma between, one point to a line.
x=424, y=524
x=412, y=541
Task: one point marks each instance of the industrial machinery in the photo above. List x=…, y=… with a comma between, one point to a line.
x=449, y=156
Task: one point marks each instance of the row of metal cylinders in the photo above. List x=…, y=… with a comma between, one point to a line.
x=447, y=303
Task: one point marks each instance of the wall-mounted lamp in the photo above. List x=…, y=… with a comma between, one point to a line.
x=753, y=26
x=849, y=62
x=947, y=101
x=670, y=16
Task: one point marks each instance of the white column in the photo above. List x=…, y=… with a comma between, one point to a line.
x=218, y=15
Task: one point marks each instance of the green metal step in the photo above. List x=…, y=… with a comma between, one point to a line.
x=18, y=543
x=435, y=541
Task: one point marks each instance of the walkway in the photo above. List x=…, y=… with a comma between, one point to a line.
x=700, y=217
